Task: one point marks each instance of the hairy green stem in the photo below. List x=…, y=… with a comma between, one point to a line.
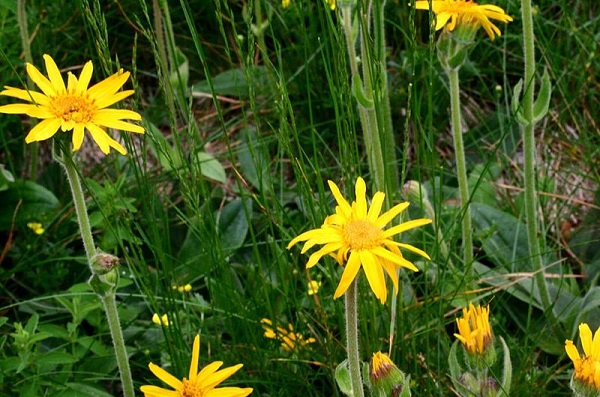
x=531, y=202
x=352, y=339
x=461, y=170
x=108, y=298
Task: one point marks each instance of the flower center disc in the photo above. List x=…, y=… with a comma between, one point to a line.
x=360, y=234
x=190, y=389
x=72, y=108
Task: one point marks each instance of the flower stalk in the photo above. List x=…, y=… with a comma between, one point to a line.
x=103, y=284
x=528, y=131
x=354, y=364
x=461, y=170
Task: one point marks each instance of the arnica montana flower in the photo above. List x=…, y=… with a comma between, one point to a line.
x=452, y=13
x=74, y=106
x=474, y=330
x=199, y=384
x=586, y=379
x=354, y=235
x=290, y=340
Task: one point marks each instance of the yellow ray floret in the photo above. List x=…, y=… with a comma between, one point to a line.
x=74, y=106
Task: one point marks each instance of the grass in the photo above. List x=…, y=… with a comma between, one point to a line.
x=231, y=169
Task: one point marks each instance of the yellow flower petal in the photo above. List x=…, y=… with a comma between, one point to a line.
x=165, y=376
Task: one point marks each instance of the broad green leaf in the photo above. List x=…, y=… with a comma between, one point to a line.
x=211, y=168
x=254, y=161
x=57, y=358
x=234, y=82
x=233, y=223
x=37, y=204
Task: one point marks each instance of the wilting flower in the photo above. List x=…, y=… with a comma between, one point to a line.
x=199, y=384
x=474, y=330
x=74, y=106
x=36, y=227
x=452, y=13
x=354, y=235
x=386, y=379
x=290, y=340
x=313, y=287
x=586, y=378
x=183, y=288
x=161, y=320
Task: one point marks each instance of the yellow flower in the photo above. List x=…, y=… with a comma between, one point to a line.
x=354, y=235
x=331, y=4
x=451, y=13
x=36, y=227
x=313, y=287
x=587, y=367
x=381, y=364
x=474, y=330
x=285, y=3
x=183, y=288
x=161, y=320
x=289, y=339
x=74, y=106
x=199, y=384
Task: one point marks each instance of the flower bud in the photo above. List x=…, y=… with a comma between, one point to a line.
x=386, y=379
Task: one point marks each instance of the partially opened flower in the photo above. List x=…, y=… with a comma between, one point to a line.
x=474, y=330
x=586, y=378
x=199, y=384
x=355, y=236
x=386, y=379
x=453, y=13
x=74, y=106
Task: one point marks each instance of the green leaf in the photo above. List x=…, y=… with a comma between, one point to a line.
x=179, y=77
x=233, y=223
x=78, y=389
x=359, y=93
x=27, y=202
x=234, y=82
x=6, y=178
x=168, y=157
x=542, y=102
x=211, y=168
x=506, y=371
x=504, y=237
x=254, y=161
x=57, y=358
x=342, y=378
